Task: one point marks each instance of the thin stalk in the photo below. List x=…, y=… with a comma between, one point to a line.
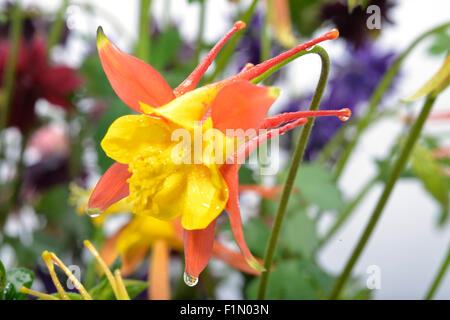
x=201, y=31
x=298, y=157
x=265, y=36
x=399, y=165
x=377, y=95
x=348, y=211
x=144, y=41
x=227, y=51
x=10, y=72
x=57, y=26
x=439, y=276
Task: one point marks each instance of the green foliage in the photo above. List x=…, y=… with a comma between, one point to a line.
x=299, y=234
x=305, y=15
x=256, y=235
x=15, y=279
x=440, y=44
x=315, y=184
x=428, y=170
x=2, y=280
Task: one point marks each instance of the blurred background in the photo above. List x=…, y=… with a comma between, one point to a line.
x=61, y=105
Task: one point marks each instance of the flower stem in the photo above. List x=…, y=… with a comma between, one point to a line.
x=200, y=33
x=227, y=51
x=298, y=157
x=144, y=41
x=399, y=165
x=377, y=95
x=10, y=72
x=57, y=27
x=439, y=277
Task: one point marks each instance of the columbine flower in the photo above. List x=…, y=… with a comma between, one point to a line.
x=115, y=280
x=143, y=147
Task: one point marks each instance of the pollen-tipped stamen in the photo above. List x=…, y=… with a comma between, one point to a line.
x=103, y=266
x=75, y=281
x=192, y=80
x=266, y=65
x=51, y=269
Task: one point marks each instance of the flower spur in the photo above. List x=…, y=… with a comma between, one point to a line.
x=143, y=144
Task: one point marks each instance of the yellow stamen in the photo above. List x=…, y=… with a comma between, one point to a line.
x=48, y=261
x=122, y=291
x=43, y=296
x=104, y=267
x=72, y=278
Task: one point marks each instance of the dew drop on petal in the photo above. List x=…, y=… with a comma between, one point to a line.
x=344, y=118
x=190, y=280
x=93, y=212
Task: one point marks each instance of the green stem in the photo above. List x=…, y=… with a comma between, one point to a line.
x=227, y=51
x=399, y=165
x=378, y=94
x=144, y=41
x=57, y=26
x=348, y=211
x=10, y=72
x=200, y=33
x=298, y=157
x=265, y=37
x=439, y=277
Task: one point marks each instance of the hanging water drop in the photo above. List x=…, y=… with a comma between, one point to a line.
x=344, y=118
x=190, y=280
x=93, y=212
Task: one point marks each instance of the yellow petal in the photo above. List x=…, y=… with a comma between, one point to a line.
x=186, y=109
x=206, y=196
x=130, y=135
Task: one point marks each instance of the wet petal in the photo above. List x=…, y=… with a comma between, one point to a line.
x=230, y=174
x=206, y=196
x=130, y=135
x=111, y=187
x=133, y=80
x=198, y=246
x=241, y=105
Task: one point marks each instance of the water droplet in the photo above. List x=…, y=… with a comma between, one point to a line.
x=190, y=280
x=93, y=212
x=344, y=118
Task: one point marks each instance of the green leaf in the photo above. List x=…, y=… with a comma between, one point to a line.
x=20, y=277
x=2, y=280
x=316, y=185
x=299, y=234
x=165, y=48
x=436, y=84
x=440, y=44
x=103, y=290
x=72, y=296
x=428, y=170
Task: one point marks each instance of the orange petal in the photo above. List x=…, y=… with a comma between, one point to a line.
x=241, y=105
x=192, y=80
x=230, y=174
x=133, y=80
x=111, y=187
x=198, y=245
x=233, y=258
x=109, y=251
x=158, y=275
